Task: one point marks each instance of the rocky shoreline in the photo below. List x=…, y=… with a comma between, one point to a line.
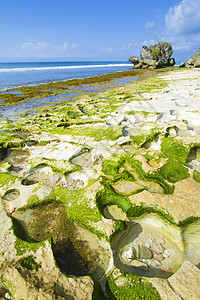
x=100, y=196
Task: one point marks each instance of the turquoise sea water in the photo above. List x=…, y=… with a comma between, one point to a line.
x=31, y=73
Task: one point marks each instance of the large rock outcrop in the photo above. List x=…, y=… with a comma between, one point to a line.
x=155, y=56
x=194, y=60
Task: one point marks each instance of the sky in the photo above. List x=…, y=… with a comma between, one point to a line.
x=61, y=30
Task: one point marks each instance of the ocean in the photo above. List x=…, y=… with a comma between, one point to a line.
x=13, y=75
x=31, y=73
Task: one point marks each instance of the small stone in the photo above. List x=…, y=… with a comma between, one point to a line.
x=128, y=254
x=139, y=265
x=145, y=252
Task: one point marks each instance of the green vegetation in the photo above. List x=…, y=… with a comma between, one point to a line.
x=160, y=49
x=110, y=167
x=131, y=287
x=21, y=245
x=175, y=149
x=43, y=143
x=147, y=177
x=174, y=171
x=29, y=263
x=6, y=283
x=139, y=210
x=119, y=226
x=7, y=179
x=141, y=112
x=188, y=221
x=109, y=197
x=146, y=137
x=8, y=140
x=196, y=176
x=98, y=132
x=25, y=93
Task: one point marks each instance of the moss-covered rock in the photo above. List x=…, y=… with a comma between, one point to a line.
x=196, y=176
x=175, y=149
x=29, y=263
x=174, y=171
x=128, y=286
x=108, y=197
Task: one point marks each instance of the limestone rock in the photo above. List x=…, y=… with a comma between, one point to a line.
x=197, y=63
x=186, y=281
x=182, y=64
x=47, y=282
x=155, y=56
x=194, y=58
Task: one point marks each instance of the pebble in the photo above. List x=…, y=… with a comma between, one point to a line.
x=145, y=252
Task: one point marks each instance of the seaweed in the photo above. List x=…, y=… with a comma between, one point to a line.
x=175, y=149
x=109, y=197
x=174, y=171
x=133, y=287
x=29, y=263
x=196, y=176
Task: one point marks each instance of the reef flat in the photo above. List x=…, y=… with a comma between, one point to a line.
x=100, y=195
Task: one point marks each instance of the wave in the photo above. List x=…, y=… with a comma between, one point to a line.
x=60, y=68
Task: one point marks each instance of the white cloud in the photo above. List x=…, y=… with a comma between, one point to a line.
x=42, y=48
x=184, y=18
x=149, y=25
x=27, y=44
x=182, y=27
x=65, y=45
x=40, y=45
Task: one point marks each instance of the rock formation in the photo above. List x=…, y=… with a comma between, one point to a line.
x=155, y=56
x=109, y=209
x=194, y=60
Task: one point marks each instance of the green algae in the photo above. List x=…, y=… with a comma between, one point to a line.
x=196, y=176
x=9, y=140
x=110, y=167
x=109, y=197
x=29, y=263
x=131, y=170
x=142, y=209
x=55, y=88
x=7, y=283
x=175, y=149
x=141, y=139
x=119, y=226
x=98, y=132
x=184, y=223
x=174, y=171
x=139, y=173
x=43, y=143
x=141, y=112
x=78, y=208
x=127, y=286
x=7, y=180
x=23, y=246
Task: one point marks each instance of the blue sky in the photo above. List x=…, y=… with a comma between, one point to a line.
x=95, y=30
